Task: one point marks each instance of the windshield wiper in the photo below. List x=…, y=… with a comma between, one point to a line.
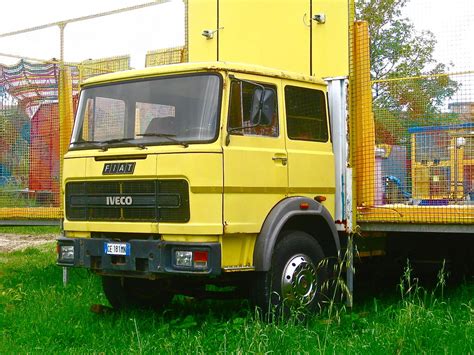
x=103, y=144
x=165, y=135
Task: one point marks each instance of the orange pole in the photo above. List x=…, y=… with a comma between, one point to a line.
x=364, y=152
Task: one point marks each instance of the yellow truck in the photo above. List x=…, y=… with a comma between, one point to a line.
x=236, y=166
x=188, y=174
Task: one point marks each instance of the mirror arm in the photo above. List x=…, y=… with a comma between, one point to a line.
x=232, y=76
x=227, y=138
x=260, y=108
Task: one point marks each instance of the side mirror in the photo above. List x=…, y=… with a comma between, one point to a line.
x=262, y=109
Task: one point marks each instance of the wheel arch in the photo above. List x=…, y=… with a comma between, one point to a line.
x=287, y=215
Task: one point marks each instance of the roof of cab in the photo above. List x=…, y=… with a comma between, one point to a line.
x=199, y=67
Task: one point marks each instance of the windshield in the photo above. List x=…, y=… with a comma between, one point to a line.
x=168, y=110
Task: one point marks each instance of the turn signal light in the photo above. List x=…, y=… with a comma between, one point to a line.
x=320, y=198
x=304, y=205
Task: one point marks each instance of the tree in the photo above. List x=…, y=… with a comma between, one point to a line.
x=398, y=50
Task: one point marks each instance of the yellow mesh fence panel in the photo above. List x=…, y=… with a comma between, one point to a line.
x=38, y=100
x=90, y=68
x=165, y=56
x=412, y=112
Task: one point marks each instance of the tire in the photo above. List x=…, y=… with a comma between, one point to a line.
x=294, y=283
x=122, y=292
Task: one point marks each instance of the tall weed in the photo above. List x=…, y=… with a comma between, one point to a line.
x=41, y=316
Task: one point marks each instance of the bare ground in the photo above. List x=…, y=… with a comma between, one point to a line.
x=13, y=242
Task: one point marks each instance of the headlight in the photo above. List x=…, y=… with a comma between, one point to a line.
x=66, y=252
x=184, y=258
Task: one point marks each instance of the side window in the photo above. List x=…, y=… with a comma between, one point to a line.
x=306, y=114
x=240, y=107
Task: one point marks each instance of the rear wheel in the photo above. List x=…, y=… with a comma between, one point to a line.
x=124, y=292
x=294, y=282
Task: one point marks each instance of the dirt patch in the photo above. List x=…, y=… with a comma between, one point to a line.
x=13, y=242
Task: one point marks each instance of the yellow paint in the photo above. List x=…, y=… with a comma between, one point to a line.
x=330, y=43
x=144, y=169
x=237, y=250
x=190, y=238
x=117, y=227
x=73, y=168
x=253, y=181
x=182, y=68
x=78, y=234
x=273, y=33
x=200, y=169
x=206, y=204
x=311, y=164
x=66, y=115
x=201, y=15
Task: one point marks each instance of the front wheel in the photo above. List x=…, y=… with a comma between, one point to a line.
x=296, y=278
x=124, y=292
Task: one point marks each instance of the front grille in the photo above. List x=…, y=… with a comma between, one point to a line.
x=133, y=201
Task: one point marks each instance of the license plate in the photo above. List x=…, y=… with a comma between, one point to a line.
x=117, y=248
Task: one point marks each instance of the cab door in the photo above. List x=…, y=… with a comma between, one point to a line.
x=255, y=158
x=308, y=143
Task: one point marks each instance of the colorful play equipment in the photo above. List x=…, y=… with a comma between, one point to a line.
x=33, y=134
x=30, y=119
x=443, y=163
x=436, y=169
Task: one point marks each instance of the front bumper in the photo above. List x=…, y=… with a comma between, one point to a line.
x=147, y=257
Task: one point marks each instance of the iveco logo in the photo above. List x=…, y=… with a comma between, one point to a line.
x=118, y=200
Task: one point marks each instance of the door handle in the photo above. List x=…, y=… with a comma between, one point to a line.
x=284, y=160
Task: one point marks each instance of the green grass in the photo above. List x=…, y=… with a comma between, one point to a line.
x=39, y=315
x=30, y=230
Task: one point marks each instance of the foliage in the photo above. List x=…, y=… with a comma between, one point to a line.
x=392, y=125
x=398, y=50
x=39, y=315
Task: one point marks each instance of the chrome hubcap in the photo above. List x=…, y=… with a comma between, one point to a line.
x=298, y=281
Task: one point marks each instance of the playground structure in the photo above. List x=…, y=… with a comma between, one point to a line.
x=38, y=100
x=442, y=164
x=31, y=130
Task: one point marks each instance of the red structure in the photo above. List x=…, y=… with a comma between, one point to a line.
x=44, y=170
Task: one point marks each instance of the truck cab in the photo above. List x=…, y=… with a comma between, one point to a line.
x=207, y=173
